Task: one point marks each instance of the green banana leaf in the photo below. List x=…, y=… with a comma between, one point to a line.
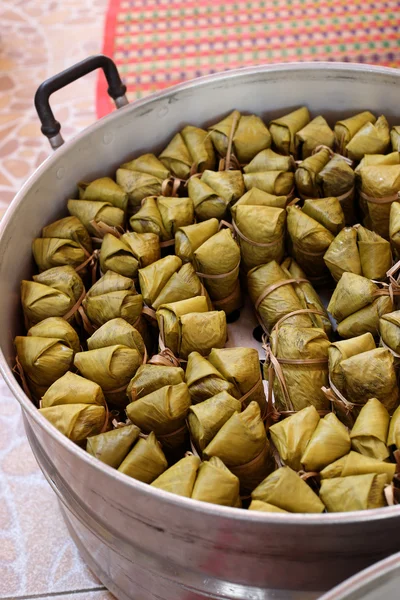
x=316, y=133
x=111, y=297
x=286, y=490
x=118, y=257
x=146, y=461
x=370, y=431
x=220, y=256
x=43, y=360
x=205, y=381
x=191, y=237
x=76, y=421
x=104, y=190
x=88, y=211
x=163, y=411
x=69, y=228
x=284, y=129
x=73, y=389
x=307, y=171
x=346, y=129
x=145, y=247
x=112, y=447
x=56, y=327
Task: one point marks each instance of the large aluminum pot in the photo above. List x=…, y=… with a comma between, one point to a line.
x=379, y=582
x=172, y=548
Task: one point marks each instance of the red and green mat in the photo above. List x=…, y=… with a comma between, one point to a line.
x=158, y=43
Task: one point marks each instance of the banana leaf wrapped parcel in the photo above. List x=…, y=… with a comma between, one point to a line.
x=309, y=241
x=43, y=360
x=56, y=327
x=111, y=447
x=64, y=242
x=56, y=252
x=326, y=211
x=205, y=381
x=111, y=367
x=247, y=133
x=241, y=367
x=191, y=237
x=73, y=389
x=104, y=189
x=169, y=323
x=206, y=418
x=94, y=215
x=53, y=293
x=286, y=490
x=361, y=251
x=113, y=296
x=278, y=183
x=214, y=192
x=167, y=280
x=307, y=295
x=217, y=261
x=261, y=506
x=342, y=254
x=216, y=484
x=370, y=431
x=118, y=257
x=343, y=349
x=395, y=138
x=261, y=233
x=394, y=227
x=337, y=179
x=357, y=304
x=163, y=411
x=243, y=447
x=307, y=171
x=380, y=186
x=358, y=464
x=356, y=492
x=188, y=325
x=141, y=177
x=76, y=421
x=117, y=331
x=273, y=295
x=268, y=160
x=190, y=151
x=346, y=129
x=371, y=138
x=370, y=374
x=394, y=430
x=389, y=327
x=145, y=247
x=179, y=479
x=150, y=378
x=291, y=436
x=302, y=356
x=146, y=461
x=256, y=197
x=316, y=133
x=329, y=441
x=284, y=129
x=163, y=216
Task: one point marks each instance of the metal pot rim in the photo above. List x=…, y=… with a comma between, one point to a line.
x=332, y=519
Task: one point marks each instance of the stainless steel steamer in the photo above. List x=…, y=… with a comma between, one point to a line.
x=142, y=542
x=379, y=582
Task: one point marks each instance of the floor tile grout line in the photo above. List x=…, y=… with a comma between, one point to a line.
x=55, y=594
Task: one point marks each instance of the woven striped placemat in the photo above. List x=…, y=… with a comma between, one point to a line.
x=158, y=43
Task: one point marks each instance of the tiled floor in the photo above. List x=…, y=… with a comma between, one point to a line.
x=37, y=39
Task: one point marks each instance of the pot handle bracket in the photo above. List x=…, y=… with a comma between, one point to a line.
x=116, y=89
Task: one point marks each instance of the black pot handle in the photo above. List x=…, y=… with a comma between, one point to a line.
x=116, y=89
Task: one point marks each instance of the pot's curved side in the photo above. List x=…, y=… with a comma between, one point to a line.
x=220, y=544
